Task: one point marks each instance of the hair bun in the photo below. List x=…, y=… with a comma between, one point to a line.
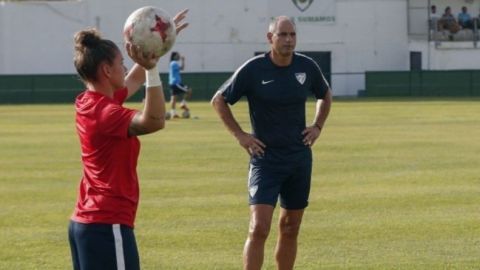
x=87, y=38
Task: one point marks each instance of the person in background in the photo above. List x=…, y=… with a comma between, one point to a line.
x=464, y=19
x=434, y=17
x=177, y=89
x=448, y=22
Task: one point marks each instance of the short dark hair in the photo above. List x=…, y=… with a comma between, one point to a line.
x=174, y=56
x=90, y=51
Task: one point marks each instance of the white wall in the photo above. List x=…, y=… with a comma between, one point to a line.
x=373, y=37
x=37, y=38
x=42, y=34
x=367, y=35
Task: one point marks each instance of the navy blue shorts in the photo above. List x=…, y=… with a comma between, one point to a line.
x=290, y=182
x=103, y=247
x=178, y=89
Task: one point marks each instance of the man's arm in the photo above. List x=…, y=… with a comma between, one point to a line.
x=182, y=62
x=251, y=144
x=322, y=109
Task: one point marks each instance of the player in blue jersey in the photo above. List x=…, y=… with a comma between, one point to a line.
x=177, y=88
x=276, y=85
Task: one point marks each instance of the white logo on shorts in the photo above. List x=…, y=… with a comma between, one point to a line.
x=253, y=190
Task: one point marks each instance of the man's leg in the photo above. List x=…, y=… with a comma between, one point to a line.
x=173, y=104
x=186, y=96
x=289, y=227
x=260, y=221
x=183, y=104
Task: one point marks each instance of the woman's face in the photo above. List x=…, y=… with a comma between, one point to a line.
x=119, y=71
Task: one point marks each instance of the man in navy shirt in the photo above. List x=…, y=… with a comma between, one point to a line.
x=276, y=85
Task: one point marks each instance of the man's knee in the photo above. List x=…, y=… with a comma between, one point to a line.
x=289, y=228
x=258, y=231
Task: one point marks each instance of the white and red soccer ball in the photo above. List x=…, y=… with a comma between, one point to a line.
x=152, y=29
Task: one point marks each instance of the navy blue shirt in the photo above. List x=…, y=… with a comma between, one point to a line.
x=276, y=98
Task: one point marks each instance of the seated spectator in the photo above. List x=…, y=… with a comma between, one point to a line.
x=434, y=17
x=448, y=22
x=464, y=19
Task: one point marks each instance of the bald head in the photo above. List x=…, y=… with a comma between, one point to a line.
x=273, y=27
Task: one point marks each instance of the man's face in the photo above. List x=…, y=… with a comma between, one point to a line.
x=283, y=39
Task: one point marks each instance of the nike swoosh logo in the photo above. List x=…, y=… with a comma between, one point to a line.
x=265, y=82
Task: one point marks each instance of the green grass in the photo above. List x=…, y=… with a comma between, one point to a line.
x=396, y=185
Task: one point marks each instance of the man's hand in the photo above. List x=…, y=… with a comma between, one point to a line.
x=310, y=135
x=252, y=145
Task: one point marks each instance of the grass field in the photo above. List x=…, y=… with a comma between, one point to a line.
x=396, y=185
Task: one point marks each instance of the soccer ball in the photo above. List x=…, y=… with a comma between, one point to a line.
x=152, y=29
x=186, y=114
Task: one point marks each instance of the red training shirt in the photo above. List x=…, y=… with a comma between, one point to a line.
x=109, y=189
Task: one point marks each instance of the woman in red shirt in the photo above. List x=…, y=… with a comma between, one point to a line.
x=101, y=228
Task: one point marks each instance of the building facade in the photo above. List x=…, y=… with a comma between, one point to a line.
x=347, y=37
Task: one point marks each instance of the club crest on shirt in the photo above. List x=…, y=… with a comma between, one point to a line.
x=301, y=77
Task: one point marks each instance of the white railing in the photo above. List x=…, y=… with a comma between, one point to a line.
x=440, y=34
